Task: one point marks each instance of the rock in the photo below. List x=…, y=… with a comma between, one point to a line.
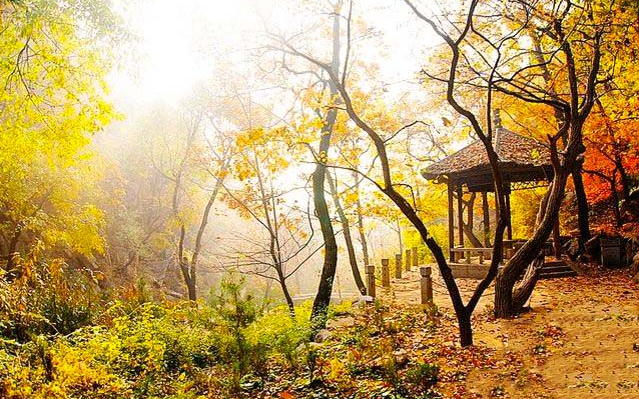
x=573, y=248
x=634, y=266
x=344, y=321
x=592, y=247
x=322, y=335
x=363, y=300
x=308, y=345
x=401, y=358
x=586, y=258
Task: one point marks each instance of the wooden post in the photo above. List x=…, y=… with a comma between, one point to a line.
x=451, y=222
x=385, y=274
x=415, y=257
x=556, y=239
x=460, y=215
x=398, y=265
x=407, y=260
x=509, y=227
x=471, y=212
x=426, y=285
x=370, y=280
x=486, y=215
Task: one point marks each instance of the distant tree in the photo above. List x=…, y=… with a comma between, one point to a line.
x=282, y=241
x=195, y=161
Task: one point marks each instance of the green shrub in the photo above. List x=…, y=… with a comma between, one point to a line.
x=144, y=349
x=46, y=298
x=423, y=375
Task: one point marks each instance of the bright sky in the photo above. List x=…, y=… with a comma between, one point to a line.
x=176, y=38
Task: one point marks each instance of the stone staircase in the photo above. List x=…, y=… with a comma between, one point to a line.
x=552, y=268
x=556, y=268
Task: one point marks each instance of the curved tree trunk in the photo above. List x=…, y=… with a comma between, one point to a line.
x=346, y=231
x=474, y=241
x=323, y=297
x=505, y=306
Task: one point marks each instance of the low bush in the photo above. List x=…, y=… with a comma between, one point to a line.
x=153, y=350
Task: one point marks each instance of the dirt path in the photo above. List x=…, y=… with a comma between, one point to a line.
x=581, y=339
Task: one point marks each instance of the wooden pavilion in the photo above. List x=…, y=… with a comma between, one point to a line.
x=524, y=163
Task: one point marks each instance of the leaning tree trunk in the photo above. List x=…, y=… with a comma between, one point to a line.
x=325, y=289
x=507, y=302
x=468, y=232
x=580, y=193
x=323, y=297
x=346, y=231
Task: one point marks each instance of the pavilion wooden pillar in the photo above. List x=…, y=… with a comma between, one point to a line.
x=460, y=215
x=471, y=212
x=486, y=215
x=451, y=227
x=509, y=226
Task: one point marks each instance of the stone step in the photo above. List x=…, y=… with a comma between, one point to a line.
x=552, y=269
x=555, y=262
x=547, y=276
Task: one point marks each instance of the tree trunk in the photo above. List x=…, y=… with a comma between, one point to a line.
x=346, y=231
x=524, y=289
x=323, y=297
x=189, y=279
x=625, y=181
x=465, y=328
x=399, y=235
x=474, y=241
x=614, y=198
x=360, y=224
x=505, y=306
x=287, y=294
x=582, y=205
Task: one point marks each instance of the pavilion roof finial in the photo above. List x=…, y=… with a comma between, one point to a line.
x=497, y=119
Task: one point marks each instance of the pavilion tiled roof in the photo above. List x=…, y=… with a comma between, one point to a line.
x=513, y=150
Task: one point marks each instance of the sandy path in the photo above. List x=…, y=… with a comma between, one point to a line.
x=581, y=340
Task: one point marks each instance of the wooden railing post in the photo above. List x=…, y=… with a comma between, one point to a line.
x=385, y=274
x=415, y=259
x=398, y=265
x=370, y=280
x=426, y=285
x=407, y=260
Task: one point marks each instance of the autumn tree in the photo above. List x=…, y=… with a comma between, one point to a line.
x=282, y=240
x=399, y=193
x=54, y=67
x=328, y=116
x=194, y=158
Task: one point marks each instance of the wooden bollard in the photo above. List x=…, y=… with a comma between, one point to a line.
x=407, y=260
x=385, y=274
x=415, y=259
x=426, y=285
x=370, y=280
x=398, y=265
